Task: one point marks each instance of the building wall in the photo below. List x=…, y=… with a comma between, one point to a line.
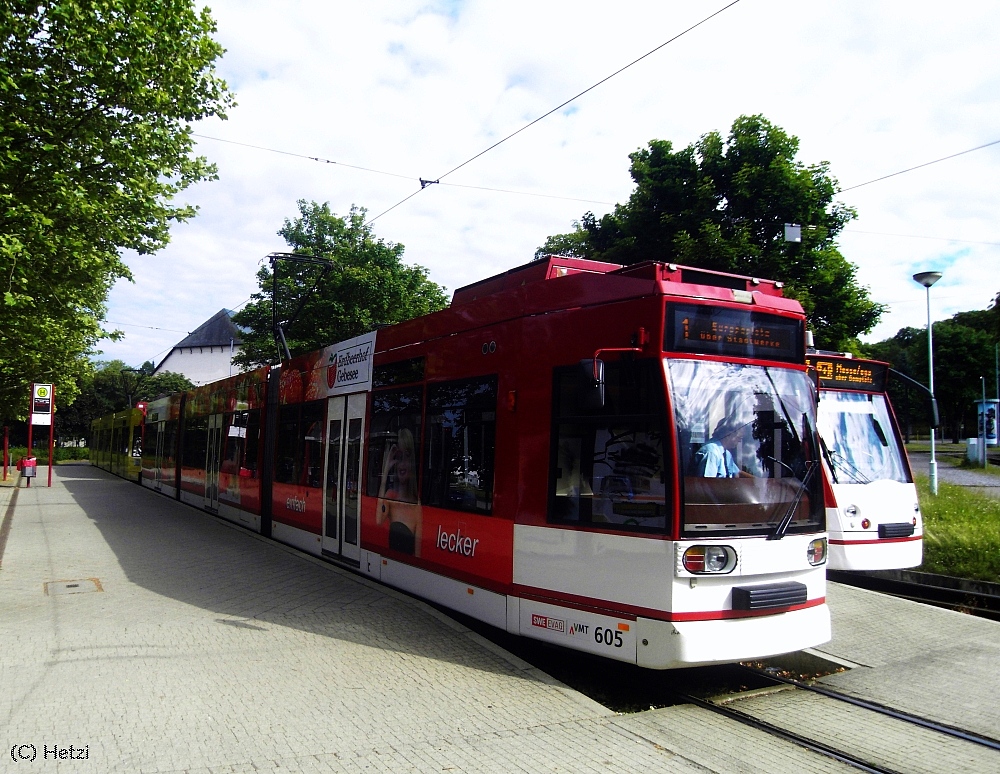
x=200, y=364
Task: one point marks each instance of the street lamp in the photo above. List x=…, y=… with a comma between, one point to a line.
x=928, y=278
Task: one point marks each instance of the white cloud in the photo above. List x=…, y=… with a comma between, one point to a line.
x=416, y=89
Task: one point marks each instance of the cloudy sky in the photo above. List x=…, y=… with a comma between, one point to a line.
x=396, y=90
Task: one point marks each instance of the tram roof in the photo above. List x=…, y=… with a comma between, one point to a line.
x=528, y=290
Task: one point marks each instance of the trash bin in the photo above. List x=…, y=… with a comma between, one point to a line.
x=28, y=466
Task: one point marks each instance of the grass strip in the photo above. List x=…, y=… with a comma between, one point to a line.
x=961, y=532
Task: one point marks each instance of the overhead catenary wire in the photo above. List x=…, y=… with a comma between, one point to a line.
x=425, y=183
x=322, y=160
x=597, y=201
x=319, y=159
x=147, y=327
x=560, y=106
x=919, y=166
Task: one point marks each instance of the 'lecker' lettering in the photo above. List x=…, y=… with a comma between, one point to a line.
x=456, y=543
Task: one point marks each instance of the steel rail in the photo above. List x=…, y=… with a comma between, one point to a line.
x=881, y=709
x=791, y=736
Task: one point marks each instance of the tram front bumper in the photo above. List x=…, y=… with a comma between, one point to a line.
x=672, y=645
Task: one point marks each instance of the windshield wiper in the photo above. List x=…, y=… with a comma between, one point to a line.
x=782, y=528
x=845, y=466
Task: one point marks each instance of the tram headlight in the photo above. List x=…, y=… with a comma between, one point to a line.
x=708, y=560
x=816, y=552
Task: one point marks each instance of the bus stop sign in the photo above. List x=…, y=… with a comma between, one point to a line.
x=41, y=404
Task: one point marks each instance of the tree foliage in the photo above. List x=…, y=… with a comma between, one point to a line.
x=96, y=99
x=722, y=204
x=368, y=286
x=963, y=352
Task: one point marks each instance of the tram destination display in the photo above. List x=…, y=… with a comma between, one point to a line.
x=714, y=330
x=847, y=374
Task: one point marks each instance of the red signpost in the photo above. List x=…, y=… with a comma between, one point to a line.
x=42, y=410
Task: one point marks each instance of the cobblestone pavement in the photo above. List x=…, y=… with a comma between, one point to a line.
x=138, y=634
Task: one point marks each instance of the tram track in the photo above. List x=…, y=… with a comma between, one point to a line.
x=941, y=728
x=864, y=735
x=820, y=724
x=812, y=745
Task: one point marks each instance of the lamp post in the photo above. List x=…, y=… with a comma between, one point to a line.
x=928, y=278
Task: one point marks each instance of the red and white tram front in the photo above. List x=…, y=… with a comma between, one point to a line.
x=696, y=488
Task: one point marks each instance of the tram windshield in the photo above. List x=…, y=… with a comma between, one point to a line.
x=747, y=448
x=860, y=438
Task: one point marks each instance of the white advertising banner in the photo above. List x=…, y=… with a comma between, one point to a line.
x=350, y=365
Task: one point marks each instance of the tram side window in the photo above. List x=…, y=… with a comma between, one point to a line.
x=285, y=469
x=121, y=440
x=251, y=443
x=195, y=443
x=235, y=432
x=300, y=444
x=607, y=465
x=394, y=437
x=169, y=442
x=243, y=429
x=154, y=431
x=461, y=442
x=311, y=427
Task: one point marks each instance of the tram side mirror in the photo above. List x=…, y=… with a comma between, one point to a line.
x=935, y=418
x=591, y=396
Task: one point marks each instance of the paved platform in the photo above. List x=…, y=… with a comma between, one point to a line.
x=148, y=636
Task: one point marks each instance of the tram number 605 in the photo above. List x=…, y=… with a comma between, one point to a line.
x=607, y=637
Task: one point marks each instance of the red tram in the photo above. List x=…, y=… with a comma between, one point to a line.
x=876, y=524
x=621, y=460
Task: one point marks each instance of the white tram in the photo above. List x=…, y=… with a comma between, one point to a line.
x=877, y=523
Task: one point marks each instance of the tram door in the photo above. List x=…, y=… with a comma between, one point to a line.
x=161, y=431
x=213, y=461
x=342, y=485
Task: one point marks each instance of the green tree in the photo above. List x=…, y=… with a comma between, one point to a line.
x=723, y=205
x=163, y=383
x=963, y=352
x=96, y=101
x=912, y=406
x=367, y=286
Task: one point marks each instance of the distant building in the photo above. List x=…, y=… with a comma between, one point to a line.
x=206, y=354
